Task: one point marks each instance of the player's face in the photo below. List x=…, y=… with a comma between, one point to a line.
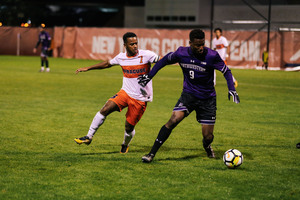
x=197, y=46
x=131, y=46
x=218, y=33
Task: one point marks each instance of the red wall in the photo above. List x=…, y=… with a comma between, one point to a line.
x=104, y=43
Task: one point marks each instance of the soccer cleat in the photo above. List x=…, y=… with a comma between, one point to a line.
x=148, y=158
x=235, y=84
x=83, y=140
x=210, y=152
x=124, y=148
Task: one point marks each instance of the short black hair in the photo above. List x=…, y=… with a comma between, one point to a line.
x=197, y=34
x=128, y=35
x=218, y=29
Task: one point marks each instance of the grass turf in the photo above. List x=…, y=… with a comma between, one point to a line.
x=41, y=114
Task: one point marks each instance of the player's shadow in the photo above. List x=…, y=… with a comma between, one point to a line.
x=100, y=153
x=200, y=153
x=133, y=149
x=189, y=157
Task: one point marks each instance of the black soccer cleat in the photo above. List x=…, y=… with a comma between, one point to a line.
x=148, y=158
x=210, y=152
x=124, y=148
x=83, y=140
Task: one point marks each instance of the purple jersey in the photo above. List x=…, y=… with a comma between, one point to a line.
x=198, y=72
x=45, y=39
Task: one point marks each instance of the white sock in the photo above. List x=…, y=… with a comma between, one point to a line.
x=42, y=69
x=96, y=123
x=215, y=78
x=47, y=69
x=128, y=137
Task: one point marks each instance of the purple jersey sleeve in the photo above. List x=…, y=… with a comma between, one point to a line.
x=221, y=66
x=168, y=59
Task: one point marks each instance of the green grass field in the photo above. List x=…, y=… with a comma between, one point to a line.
x=42, y=113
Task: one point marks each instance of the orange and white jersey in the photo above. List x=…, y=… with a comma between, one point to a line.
x=220, y=45
x=132, y=68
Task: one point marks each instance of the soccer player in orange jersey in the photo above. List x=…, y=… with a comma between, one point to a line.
x=134, y=62
x=220, y=44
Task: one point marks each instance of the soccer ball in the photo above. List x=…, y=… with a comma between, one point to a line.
x=233, y=158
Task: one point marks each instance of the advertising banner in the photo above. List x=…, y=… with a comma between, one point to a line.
x=245, y=47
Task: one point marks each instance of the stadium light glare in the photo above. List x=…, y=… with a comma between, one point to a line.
x=245, y=22
x=25, y=25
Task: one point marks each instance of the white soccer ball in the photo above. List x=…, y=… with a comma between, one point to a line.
x=233, y=158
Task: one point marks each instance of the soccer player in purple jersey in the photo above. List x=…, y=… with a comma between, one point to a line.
x=197, y=63
x=45, y=40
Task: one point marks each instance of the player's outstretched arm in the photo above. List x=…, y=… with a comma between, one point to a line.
x=166, y=60
x=231, y=89
x=220, y=65
x=101, y=65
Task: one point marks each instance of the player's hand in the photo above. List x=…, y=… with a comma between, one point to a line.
x=143, y=79
x=235, y=96
x=34, y=50
x=81, y=70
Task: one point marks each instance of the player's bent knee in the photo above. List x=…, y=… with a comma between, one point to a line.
x=104, y=111
x=109, y=107
x=128, y=127
x=209, y=137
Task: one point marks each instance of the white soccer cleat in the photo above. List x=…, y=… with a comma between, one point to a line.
x=148, y=158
